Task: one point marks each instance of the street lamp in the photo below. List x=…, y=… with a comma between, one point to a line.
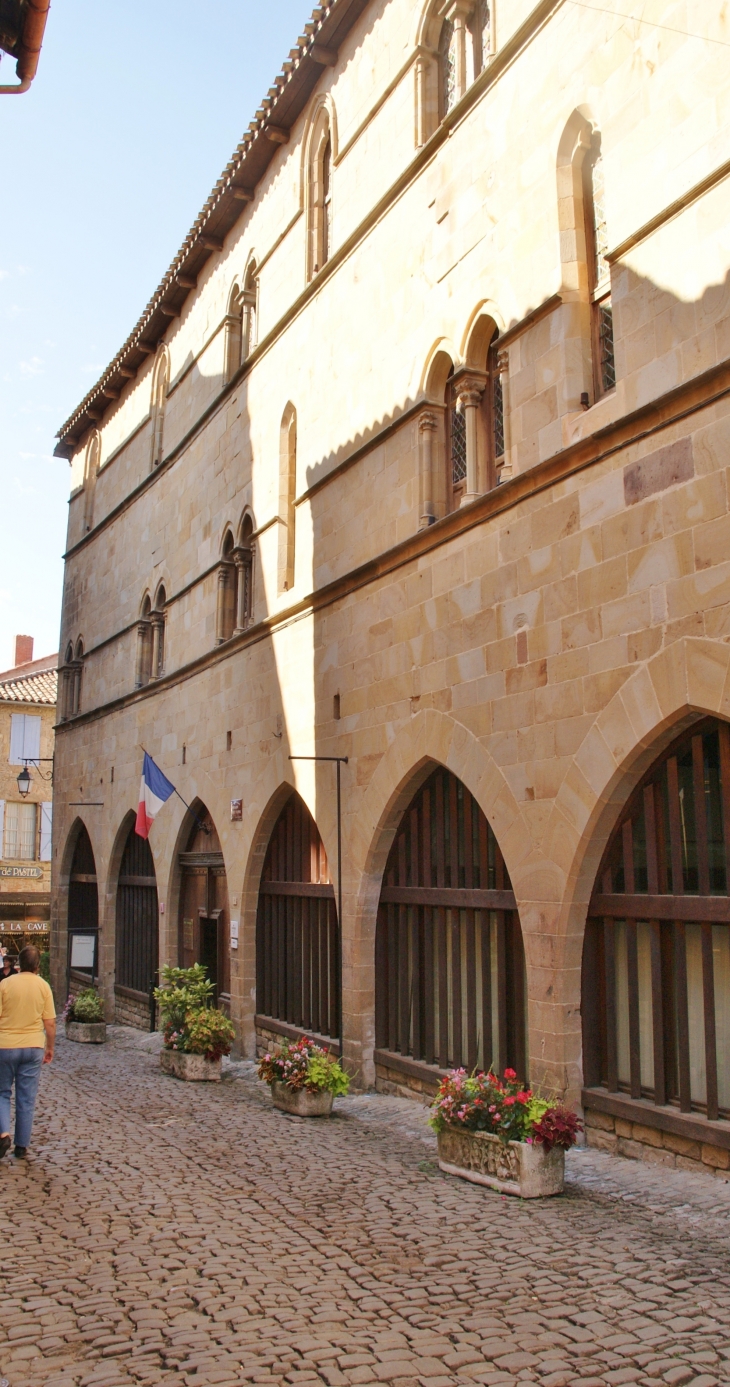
x=24, y=777
x=24, y=782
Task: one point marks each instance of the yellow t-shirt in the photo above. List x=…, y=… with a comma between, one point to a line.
x=26, y=1001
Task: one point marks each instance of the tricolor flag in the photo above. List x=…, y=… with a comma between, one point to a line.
x=154, y=791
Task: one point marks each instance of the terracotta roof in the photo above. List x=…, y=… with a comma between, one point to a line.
x=41, y=687
x=316, y=49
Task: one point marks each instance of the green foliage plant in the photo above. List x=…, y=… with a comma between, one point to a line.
x=189, y=1023
x=87, y=1007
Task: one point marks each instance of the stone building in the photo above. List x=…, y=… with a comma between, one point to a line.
x=27, y=717
x=418, y=457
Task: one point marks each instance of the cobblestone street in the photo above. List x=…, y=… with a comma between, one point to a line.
x=188, y=1234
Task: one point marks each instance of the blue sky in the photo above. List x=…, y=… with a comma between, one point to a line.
x=134, y=112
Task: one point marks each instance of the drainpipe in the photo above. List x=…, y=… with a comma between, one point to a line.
x=30, y=46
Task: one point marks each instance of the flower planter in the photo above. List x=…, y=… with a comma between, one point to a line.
x=519, y=1167
x=86, y=1032
x=194, y=1068
x=301, y=1101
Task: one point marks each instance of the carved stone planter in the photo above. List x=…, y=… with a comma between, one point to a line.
x=516, y=1168
x=86, y=1032
x=194, y=1068
x=301, y=1102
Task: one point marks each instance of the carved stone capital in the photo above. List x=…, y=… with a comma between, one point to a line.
x=428, y=422
x=502, y=362
x=469, y=391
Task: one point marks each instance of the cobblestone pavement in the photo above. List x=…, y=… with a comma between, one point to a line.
x=188, y=1234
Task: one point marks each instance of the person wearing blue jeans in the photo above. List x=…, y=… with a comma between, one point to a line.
x=27, y=1039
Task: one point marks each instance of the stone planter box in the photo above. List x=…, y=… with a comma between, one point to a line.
x=301, y=1102
x=194, y=1068
x=86, y=1032
x=517, y=1168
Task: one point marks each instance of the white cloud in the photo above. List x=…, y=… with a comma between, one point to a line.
x=34, y=367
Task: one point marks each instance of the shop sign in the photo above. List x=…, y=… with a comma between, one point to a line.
x=24, y=927
x=35, y=872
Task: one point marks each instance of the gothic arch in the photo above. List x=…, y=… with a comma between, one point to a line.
x=319, y=157
x=484, y=322
x=158, y=401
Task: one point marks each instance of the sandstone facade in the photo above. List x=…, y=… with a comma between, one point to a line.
x=265, y=558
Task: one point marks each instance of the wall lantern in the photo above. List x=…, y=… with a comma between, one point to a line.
x=24, y=781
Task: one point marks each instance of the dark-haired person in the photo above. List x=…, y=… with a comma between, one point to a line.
x=8, y=968
x=27, y=1038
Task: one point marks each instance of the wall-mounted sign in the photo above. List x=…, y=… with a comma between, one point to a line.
x=24, y=927
x=234, y=934
x=188, y=938
x=35, y=872
x=236, y=811
x=83, y=948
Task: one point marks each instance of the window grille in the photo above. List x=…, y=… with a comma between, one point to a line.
x=447, y=54
x=483, y=32
x=600, y=279
x=458, y=448
x=497, y=407
x=326, y=203
x=136, y=944
x=449, y=960
x=656, y=958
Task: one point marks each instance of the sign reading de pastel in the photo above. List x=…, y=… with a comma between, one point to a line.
x=35, y=872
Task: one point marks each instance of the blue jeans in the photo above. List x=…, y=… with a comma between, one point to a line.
x=22, y=1068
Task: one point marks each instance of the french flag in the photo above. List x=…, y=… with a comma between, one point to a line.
x=154, y=791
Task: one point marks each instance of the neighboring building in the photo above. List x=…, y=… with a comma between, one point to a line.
x=419, y=456
x=22, y=26
x=27, y=718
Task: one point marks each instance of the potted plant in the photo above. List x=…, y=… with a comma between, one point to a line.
x=304, y=1079
x=84, y=1018
x=195, y=1035
x=496, y=1132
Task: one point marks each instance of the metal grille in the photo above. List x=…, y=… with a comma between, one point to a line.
x=447, y=52
x=137, y=917
x=601, y=268
x=449, y=963
x=83, y=898
x=484, y=20
x=297, y=943
x=497, y=409
x=604, y=311
x=458, y=448
x=656, y=959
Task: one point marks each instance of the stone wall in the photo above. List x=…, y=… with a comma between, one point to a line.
x=641, y=1143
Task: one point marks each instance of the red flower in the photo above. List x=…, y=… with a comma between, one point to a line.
x=510, y=1074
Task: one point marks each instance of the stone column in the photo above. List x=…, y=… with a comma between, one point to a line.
x=220, y=608
x=139, y=664
x=157, y=623
x=76, y=690
x=427, y=427
x=470, y=393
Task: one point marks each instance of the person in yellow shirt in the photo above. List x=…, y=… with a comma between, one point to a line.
x=27, y=1039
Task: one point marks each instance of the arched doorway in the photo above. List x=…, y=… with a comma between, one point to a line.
x=449, y=961
x=203, y=920
x=297, y=939
x=656, y=956
x=136, y=931
x=83, y=913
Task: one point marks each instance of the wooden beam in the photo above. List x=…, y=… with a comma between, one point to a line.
x=326, y=56
x=187, y=281
x=210, y=242
x=169, y=310
x=241, y=194
x=276, y=133
x=110, y=392
x=715, y=909
x=149, y=348
x=128, y=372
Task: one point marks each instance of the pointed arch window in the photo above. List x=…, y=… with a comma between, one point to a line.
x=243, y=557
x=227, y=597
x=91, y=469
x=599, y=271
x=143, y=666
x=287, y=497
x=160, y=386
x=158, y=619
x=250, y=309
x=447, y=68
x=319, y=228
x=76, y=678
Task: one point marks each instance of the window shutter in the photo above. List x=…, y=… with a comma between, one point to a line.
x=2, y=825
x=46, y=818
x=17, y=739
x=32, y=738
